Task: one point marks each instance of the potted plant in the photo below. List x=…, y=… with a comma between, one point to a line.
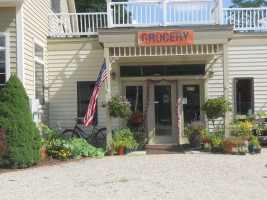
x=207, y=147
x=258, y=148
x=216, y=108
x=253, y=142
x=43, y=149
x=111, y=150
x=137, y=117
x=119, y=106
x=230, y=144
x=242, y=150
x=216, y=143
x=193, y=132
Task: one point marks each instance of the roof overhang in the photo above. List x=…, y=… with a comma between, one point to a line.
x=127, y=37
x=10, y=3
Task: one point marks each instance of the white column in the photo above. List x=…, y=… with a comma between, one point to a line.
x=20, y=43
x=108, y=96
x=220, y=11
x=164, y=10
x=226, y=86
x=109, y=14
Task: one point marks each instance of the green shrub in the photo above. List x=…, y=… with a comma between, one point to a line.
x=124, y=138
x=23, y=137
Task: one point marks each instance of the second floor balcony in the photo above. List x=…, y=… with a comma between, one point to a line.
x=156, y=13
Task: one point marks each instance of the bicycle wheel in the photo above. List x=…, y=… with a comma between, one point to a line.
x=100, y=136
x=70, y=133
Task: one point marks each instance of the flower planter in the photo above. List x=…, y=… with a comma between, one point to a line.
x=126, y=150
x=43, y=153
x=234, y=150
x=257, y=150
x=195, y=143
x=243, y=153
x=120, y=150
x=207, y=149
x=111, y=153
x=215, y=149
x=251, y=148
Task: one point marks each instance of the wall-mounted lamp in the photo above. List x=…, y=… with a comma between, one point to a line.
x=211, y=74
x=113, y=75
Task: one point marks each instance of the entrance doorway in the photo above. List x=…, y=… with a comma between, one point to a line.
x=162, y=120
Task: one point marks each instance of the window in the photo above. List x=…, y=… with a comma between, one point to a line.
x=39, y=73
x=55, y=5
x=84, y=92
x=4, y=59
x=244, y=97
x=165, y=70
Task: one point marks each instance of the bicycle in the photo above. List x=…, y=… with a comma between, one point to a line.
x=97, y=136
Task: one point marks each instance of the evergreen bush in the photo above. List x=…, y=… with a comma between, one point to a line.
x=23, y=137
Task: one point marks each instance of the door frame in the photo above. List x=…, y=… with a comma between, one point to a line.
x=153, y=139
x=201, y=84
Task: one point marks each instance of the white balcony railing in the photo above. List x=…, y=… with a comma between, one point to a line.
x=246, y=19
x=76, y=24
x=148, y=13
x=163, y=13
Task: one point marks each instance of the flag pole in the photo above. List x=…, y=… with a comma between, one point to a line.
x=108, y=96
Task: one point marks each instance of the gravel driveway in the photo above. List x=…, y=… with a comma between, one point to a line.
x=173, y=176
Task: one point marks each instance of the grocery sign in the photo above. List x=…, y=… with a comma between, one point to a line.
x=160, y=38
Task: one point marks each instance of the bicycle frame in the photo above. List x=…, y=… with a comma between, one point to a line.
x=81, y=132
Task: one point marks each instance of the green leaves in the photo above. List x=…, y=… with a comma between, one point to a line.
x=23, y=137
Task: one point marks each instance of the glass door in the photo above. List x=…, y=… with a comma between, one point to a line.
x=163, y=112
x=162, y=120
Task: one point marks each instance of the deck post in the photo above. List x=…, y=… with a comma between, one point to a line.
x=220, y=11
x=164, y=10
x=226, y=86
x=108, y=96
x=109, y=14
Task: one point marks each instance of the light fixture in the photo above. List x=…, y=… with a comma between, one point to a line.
x=211, y=74
x=113, y=75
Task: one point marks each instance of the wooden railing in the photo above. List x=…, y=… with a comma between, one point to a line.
x=149, y=13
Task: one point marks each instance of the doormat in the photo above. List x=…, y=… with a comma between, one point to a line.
x=164, y=149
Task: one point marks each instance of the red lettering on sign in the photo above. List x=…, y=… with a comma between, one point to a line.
x=160, y=38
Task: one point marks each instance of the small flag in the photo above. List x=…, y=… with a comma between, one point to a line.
x=89, y=115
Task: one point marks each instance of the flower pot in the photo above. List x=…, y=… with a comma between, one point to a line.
x=111, y=153
x=207, y=149
x=251, y=148
x=242, y=153
x=43, y=153
x=257, y=150
x=234, y=150
x=215, y=149
x=120, y=150
x=195, y=143
x=126, y=150
x=137, y=118
x=227, y=148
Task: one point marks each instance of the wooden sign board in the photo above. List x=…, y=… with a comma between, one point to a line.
x=161, y=38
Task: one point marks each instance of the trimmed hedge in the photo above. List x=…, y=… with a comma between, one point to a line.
x=22, y=135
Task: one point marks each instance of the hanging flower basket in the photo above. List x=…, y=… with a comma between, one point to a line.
x=119, y=106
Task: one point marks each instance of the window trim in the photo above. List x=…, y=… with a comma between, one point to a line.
x=7, y=50
x=41, y=62
x=252, y=92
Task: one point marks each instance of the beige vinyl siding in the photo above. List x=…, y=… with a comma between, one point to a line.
x=36, y=27
x=70, y=61
x=249, y=60
x=8, y=24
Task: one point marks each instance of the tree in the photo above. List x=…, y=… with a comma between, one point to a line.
x=248, y=3
x=23, y=137
x=93, y=5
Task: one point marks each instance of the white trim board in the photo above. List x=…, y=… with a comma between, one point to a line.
x=7, y=50
x=20, y=44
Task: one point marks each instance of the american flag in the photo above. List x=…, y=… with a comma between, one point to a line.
x=89, y=115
